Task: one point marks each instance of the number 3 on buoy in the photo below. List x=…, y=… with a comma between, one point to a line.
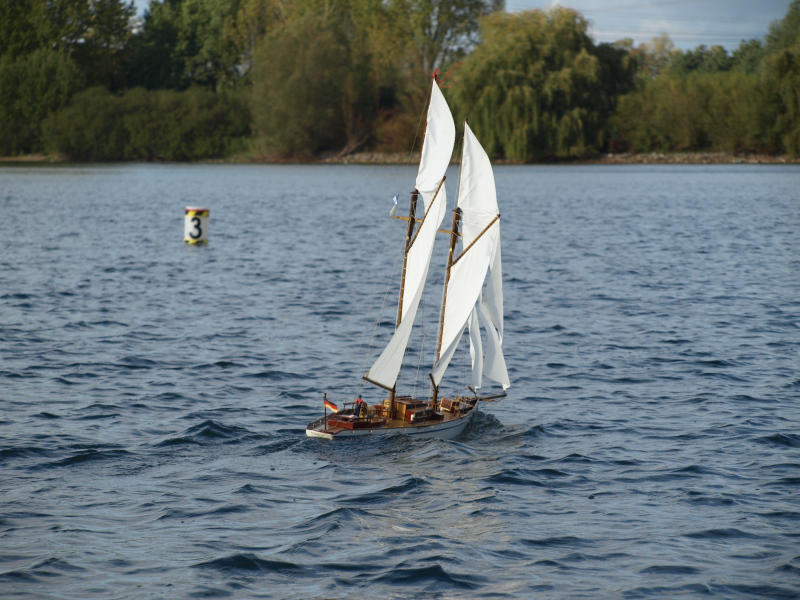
x=197, y=231
x=195, y=225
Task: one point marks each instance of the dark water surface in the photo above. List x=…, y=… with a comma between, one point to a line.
x=154, y=395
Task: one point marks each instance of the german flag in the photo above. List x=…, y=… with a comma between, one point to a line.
x=331, y=405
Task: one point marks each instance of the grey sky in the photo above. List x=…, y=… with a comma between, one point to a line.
x=688, y=23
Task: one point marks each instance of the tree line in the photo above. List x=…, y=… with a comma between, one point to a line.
x=298, y=79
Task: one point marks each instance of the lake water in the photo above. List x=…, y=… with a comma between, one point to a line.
x=154, y=394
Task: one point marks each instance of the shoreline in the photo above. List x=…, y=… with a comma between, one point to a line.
x=610, y=158
x=692, y=158
x=383, y=158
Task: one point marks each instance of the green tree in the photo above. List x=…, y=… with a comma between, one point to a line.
x=663, y=114
x=18, y=33
x=93, y=33
x=183, y=43
x=31, y=86
x=245, y=29
x=440, y=31
x=738, y=113
x=785, y=32
x=702, y=58
x=782, y=78
x=426, y=35
x=153, y=61
x=725, y=111
x=298, y=86
x=536, y=87
x=325, y=96
x=654, y=58
x=747, y=57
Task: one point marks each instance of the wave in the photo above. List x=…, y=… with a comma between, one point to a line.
x=720, y=534
x=136, y=362
x=690, y=590
x=432, y=577
x=788, y=440
x=670, y=570
x=566, y=541
x=412, y=486
x=514, y=476
x=757, y=591
x=208, y=432
x=274, y=375
x=8, y=454
x=228, y=509
x=250, y=563
x=90, y=455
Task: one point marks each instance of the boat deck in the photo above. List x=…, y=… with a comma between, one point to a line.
x=420, y=421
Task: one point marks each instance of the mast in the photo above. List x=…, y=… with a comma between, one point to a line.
x=412, y=211
x=437, y=149
x=453, y=239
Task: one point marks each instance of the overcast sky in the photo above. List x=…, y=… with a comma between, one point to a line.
x=688, y=23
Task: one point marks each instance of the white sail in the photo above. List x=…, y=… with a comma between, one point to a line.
x=489, y=313
x=475, y=350
x=437, y=148
x=477, y=200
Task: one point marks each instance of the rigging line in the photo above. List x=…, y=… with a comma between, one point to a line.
x=422, y=114
x=464, y=379
x=373, y=331
x=479, y=236
x=421, y=353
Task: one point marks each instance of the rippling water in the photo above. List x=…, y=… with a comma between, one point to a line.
x=154, y=395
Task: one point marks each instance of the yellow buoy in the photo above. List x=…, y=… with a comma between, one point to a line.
x=195, y=225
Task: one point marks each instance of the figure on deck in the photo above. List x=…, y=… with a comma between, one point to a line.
x=361, y=407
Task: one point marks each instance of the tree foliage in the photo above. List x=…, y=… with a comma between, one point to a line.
x=695, y=111
x=94, y=34
x=298, y=87
x=782, y=77
x=536, y=87
x=183, y=43
x=707, y=100
x=31, y=86
x=703, y=59
x=439, y=31
x=245, y=29
x=311, y=98
x=333, y=76
x=784, y=33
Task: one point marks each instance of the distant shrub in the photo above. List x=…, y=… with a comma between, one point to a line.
x=723, y=111
x=147, y=125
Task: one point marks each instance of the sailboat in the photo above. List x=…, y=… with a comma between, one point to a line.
x=472, y=296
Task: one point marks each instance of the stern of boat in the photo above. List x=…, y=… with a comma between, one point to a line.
x=316, y=429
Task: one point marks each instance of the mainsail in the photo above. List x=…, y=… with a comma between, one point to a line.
x=437, y=148
x=477, y=201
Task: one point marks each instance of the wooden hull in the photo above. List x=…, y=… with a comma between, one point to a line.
x=447, y=428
